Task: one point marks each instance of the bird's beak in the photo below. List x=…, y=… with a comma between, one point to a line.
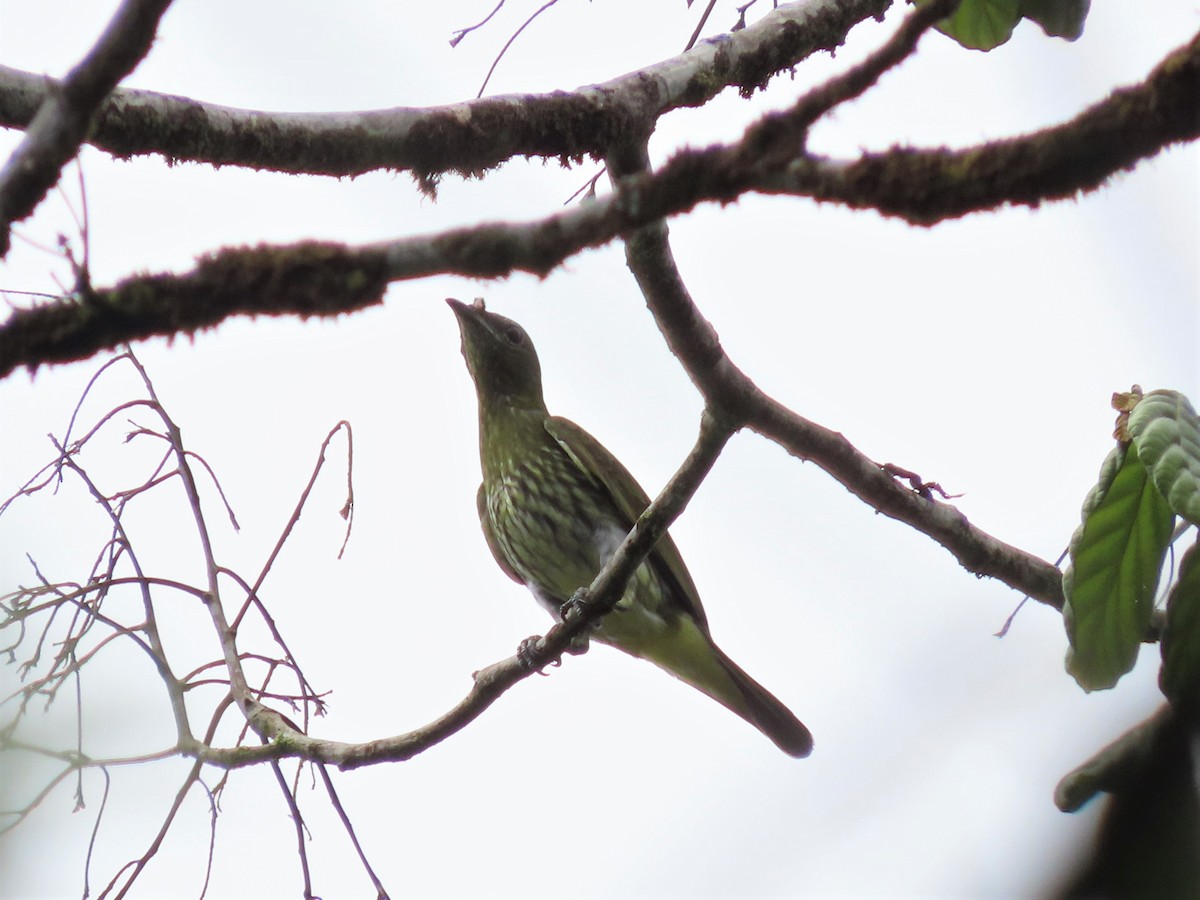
x=466, y=309
x=472, y=328
x=471, y=320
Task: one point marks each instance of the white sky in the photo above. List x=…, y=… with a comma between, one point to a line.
x=981, y=353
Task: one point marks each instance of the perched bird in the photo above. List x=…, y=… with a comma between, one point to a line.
x=555, y=505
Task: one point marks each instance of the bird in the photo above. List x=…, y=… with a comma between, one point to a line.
x=554, y=506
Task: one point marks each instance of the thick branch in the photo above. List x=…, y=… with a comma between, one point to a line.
x=926, y=186
x=65, y=111
x=976, y=550
x=929, y=186
x=304, y=279
x=726, y=388
x=462, y=137
x=327, y=279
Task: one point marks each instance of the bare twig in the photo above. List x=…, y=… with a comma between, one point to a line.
x=156, y=651
x=237, y=679
x=309, y=693
x=336, y=802
x=298, y=822
x=700, y=25
x=17, y=816
x=87, y=863
x=137, y=866
x=461, y=33
x=46, y=599
x=512, y=39
x=212, y=837
x=783, y=133
x=343, y=425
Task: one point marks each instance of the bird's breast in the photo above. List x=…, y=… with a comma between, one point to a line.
x=547, y=520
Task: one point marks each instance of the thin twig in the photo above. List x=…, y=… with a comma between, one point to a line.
x=155, y=650
x=700, y=25
x=298, y=823
x=499, y=56
x=212, y=837
x=139, y=865
x=299, y=509
x=336, y=801
x=225, y=635
x=87, y=863
x=461, y=33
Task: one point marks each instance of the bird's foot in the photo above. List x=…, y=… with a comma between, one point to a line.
x=578, y=645
x=527, y=655
x=574, y=606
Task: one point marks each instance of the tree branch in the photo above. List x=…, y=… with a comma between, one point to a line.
x=927, y=186
x=328, y=279
x=726, y=388
x=466, y=138
x=303, y=279
x=65, y=111
x=491, y=682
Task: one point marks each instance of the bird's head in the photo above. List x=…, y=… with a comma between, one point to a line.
x=500, y=357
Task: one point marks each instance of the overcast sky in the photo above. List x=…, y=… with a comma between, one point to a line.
x=982, y=353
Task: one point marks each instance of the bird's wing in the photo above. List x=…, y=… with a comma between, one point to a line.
x=490, y=536
x=631, y=501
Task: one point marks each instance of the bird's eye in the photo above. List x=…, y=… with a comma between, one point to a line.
x=514, y=335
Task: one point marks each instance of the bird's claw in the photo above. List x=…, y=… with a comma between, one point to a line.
x=527, y=655
x=573, y=605
x=578, y=645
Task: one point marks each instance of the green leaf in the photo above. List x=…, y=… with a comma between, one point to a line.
x=986, y=24
x=1116, y=556
x=1058, y=18
x=1166, y=431
x=982, y=24
x=1179, y=677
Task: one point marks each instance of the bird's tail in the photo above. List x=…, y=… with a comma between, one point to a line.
x=762, y=709
x=691, y=656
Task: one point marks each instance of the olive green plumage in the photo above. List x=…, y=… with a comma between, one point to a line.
x=555, y=505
